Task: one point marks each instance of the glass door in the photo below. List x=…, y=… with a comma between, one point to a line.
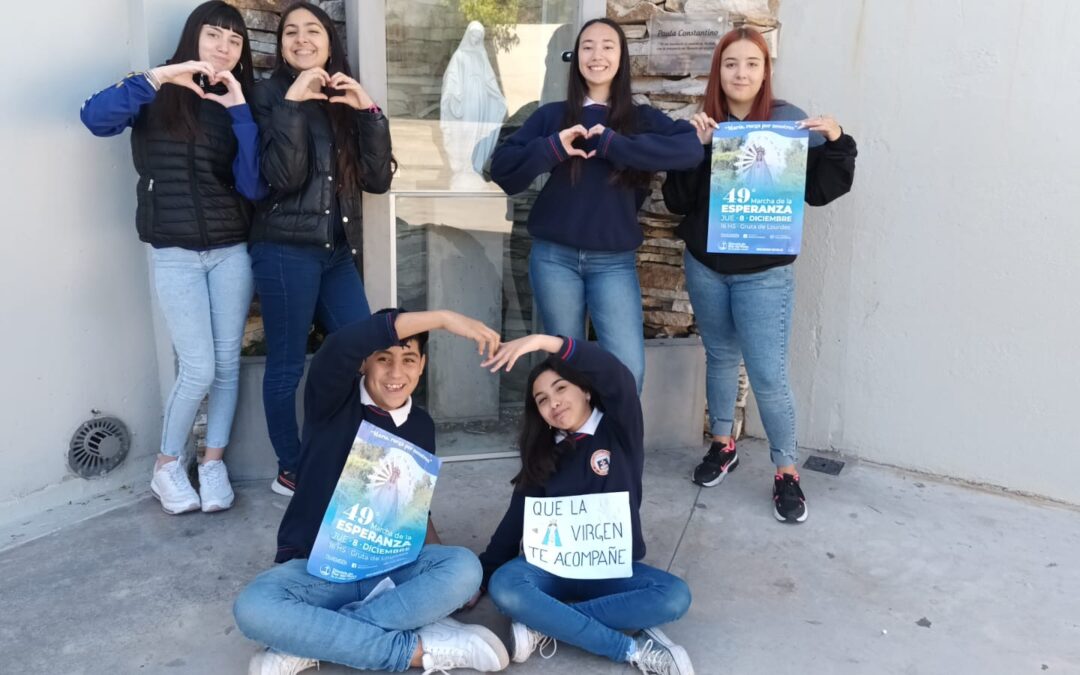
x=460, y=76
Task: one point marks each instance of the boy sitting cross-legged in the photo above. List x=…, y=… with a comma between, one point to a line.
x=366, y=372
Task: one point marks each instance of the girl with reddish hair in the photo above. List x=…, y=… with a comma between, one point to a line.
x=743, y=302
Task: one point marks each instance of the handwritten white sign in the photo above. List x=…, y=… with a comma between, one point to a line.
x=582, y=537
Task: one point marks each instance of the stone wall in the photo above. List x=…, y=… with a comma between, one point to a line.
x=262, y=17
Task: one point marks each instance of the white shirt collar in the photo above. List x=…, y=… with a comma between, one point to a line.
x=589, y=101
x=399, y=415
x=588, y=428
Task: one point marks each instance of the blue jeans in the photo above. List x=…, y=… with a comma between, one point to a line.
x=295, y=284
x=294, y=612
x=205, y=297
x=747, y=317
x=589, y=613
x=568, y=281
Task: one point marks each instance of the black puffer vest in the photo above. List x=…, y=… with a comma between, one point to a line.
x=298, y=160
x=186, y=194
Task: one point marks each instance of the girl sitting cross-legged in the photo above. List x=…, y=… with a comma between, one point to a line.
x=582, y=435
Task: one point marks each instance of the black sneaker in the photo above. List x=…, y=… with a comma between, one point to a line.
x=789, y=504
x=285, y=483
x=715, y=465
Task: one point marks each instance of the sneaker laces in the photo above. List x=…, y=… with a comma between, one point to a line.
x=176, y=475
x=443, y=658
x=652, y=661
x=788, y=490
x=538, y=641
x=213, y=474
x=712, y=456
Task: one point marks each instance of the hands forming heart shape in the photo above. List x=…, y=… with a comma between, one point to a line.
x=190, y=74
x=310, y=83
x=570, y=134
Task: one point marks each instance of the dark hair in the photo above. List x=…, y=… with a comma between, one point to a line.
x=621, y=112
x=715, y=104
x=421, y=338
x=539, y=453
x=342, y=120
x=177, y=107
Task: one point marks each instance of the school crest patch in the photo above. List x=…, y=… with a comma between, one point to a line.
x=600, y=462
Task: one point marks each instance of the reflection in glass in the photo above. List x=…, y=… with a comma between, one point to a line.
x=471, y=110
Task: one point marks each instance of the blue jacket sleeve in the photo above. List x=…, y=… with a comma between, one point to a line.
x=526, y=154
x=246, y=163
x=111, y=110
x=333, y=368
x=615, y=385
x=663, y=144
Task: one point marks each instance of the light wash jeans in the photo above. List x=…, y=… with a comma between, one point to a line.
x=589, y=613
x=294, y=612
x=205, y=297
x=747, y=317
x=568, y=281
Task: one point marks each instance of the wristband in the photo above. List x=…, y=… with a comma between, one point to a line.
x=152, y=79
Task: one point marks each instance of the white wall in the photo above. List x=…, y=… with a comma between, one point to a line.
x=77, y=304
x=936, y=321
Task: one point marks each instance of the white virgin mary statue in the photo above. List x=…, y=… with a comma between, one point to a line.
x=471, y=110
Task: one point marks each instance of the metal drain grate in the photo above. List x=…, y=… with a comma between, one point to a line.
x=98, y=446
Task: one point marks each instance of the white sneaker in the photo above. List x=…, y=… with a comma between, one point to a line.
x=449, y=644
x=527, y=640
x=171, y=486
x=270, y=662
x=214, y=490
x=658, y=655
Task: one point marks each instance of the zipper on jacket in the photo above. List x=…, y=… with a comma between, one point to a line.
x=150, y=187
x=194, y=183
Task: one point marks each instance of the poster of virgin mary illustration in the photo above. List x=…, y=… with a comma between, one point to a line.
x=471, y=110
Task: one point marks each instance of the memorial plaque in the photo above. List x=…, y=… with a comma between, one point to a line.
x=682, y=44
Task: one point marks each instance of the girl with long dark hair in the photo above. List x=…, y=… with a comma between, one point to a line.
x=600, y=150
x=195, y=147
x=582, y=434
x=743, y=302
x=324, y=142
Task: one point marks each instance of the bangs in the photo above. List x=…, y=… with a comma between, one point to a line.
x=227, y=17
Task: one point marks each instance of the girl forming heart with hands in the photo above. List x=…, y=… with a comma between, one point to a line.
x=198, y=163
x=584, y=224
x=569, y=135
x=324, y=143
x=309, y=86
x=185, y=75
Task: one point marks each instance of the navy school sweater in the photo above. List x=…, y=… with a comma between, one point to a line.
x=333, y=412
x=593, y=213
x=621, y=432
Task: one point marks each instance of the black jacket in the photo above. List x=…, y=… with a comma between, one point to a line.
x=186, y=194
x=830, y=171
x=298, y=162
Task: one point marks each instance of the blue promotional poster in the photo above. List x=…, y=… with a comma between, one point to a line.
x=757, y=188
x=377, y=519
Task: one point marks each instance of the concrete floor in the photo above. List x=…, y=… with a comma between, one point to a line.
x=892, y=573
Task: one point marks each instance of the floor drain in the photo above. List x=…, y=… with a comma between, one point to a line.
x=829, y=466
x=98, y=446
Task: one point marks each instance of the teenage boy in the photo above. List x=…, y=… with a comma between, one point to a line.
x=366, y=371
